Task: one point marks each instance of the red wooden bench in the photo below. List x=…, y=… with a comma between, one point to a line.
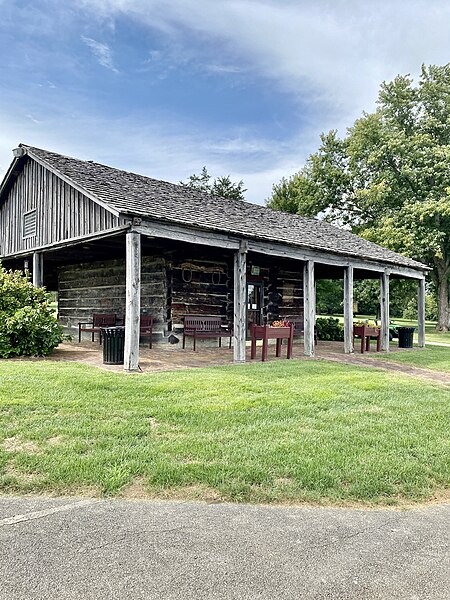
x=197, y=326
x=98, y=321
x=146, y=328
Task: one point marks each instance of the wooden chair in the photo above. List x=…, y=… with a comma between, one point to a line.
x=146, y=328
x=98, y=321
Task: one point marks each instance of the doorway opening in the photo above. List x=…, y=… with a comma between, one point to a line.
x=254, y=304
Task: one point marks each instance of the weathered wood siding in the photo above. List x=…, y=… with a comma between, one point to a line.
x=99, y=287
x=290, y=291
x=61, y=211
x=199, y=287
x=282, y=291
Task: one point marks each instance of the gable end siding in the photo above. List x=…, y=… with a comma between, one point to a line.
x=61, y=211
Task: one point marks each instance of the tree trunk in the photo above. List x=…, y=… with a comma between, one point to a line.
x=441, y=275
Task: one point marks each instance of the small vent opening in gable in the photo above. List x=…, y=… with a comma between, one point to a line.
x=29, y=223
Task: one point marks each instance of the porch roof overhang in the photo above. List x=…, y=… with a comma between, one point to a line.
x=298, y=252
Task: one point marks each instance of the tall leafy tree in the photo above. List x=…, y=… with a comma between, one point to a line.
x=389, y=177
x=220, y=186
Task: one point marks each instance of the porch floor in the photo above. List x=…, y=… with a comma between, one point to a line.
x=169, y=358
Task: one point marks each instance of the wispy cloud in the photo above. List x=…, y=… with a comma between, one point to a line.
x=102, y=53
x=334, y=54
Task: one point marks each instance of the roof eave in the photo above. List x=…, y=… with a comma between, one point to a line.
x=386, y=262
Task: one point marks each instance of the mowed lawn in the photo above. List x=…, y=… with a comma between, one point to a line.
x=287, y=431
x=435, y=358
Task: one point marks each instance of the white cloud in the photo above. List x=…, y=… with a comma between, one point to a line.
x=332, y=53
x=331, y=56
x=102, y=52
x=168, y=151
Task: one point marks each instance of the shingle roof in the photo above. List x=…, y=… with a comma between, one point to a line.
x=132, y=194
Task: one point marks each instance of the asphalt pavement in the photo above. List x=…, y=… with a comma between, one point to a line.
x=111, y=549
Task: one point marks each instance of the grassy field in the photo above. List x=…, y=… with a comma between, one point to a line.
x=436, y=358
x=291, y=431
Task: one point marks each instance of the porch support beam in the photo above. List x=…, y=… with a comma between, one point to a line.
x=348, y=310
x=421, y=312
x=384, y=305
x=38, y=269
x=132, y=301
x=240, y=303
x=309, y=296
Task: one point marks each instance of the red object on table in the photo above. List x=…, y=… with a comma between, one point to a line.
x=365, y=333
x=265, y=333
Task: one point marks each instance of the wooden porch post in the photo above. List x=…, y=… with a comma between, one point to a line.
x=348, y=309
x=309, y=297
x=384, y=304
x=240, y=302
x=421, y=312
x=133, y=301
x=38, y=269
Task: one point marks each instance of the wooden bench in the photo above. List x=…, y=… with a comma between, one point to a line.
x=146, y=328
x=197, y=326
x=98, y=321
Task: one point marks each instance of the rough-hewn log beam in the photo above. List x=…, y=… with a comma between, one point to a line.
x=384, y=304
x=421, y=312
x=38, y=271
x=240, y=303
x=348, y=310
x=309, y=293
x=132, y=301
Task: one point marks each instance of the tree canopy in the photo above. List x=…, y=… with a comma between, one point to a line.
x=220, y=186
x=388, y=179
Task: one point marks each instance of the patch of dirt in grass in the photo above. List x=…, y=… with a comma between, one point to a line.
x=193, y=492
x=15, y=444
x=21, y=478
x=136, y=490
x=57, y=440
x=283, y=481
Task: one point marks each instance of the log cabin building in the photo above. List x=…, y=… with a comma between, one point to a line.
x=112, y=241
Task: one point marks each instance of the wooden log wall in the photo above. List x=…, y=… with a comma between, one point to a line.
x=200, y=287
x=61, y=211
x=290, y=291
x=87, y=288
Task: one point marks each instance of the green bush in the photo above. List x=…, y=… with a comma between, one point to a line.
x=329, y=329
x=28, y=326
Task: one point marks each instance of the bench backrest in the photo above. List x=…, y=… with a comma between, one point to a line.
x=104, y=319
x=201, y=323
x=146, y=322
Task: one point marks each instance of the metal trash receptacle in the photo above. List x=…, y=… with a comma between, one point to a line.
x=113, y=345
x=405, y=337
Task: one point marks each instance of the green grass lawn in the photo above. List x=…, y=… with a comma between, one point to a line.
x=436, y=358
x=288, y=431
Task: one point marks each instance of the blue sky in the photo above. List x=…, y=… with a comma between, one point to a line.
x=164, y=87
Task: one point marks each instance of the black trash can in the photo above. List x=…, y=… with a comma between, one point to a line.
x=405, y=337
x=113, y=345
